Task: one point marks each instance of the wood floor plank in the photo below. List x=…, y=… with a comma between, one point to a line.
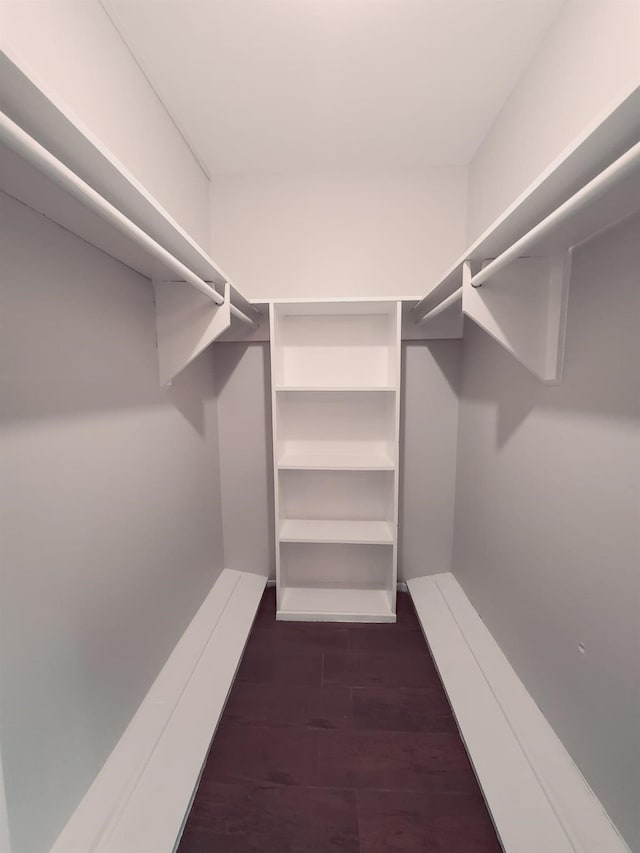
x=252, y=819
x=397, y=761
x=290, y=705
x=401, y=709
x=380, y=670
x=262, y=755
x=408, y=822
x=338, y=739
x=262, y=666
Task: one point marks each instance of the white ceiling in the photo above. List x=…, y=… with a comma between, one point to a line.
x=310, y=85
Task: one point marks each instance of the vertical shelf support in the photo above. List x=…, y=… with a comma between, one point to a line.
x=186, y=323
x=524, y=308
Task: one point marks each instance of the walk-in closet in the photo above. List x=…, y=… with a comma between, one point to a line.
x=319, y=426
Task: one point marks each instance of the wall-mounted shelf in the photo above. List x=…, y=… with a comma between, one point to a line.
x=610, y=197
x=592, y=185
x=335, y=388
x=50, y=162
x=602, y=142
x=35, y=108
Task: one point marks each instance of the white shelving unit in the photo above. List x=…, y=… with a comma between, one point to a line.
x=335, y=369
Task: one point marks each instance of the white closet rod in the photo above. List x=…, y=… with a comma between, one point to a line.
x=615, y=174
x=15, y=138
x=442, y=306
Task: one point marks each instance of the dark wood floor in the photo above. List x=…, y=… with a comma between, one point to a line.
x=337, y=739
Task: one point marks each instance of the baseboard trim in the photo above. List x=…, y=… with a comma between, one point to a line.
x=140, y=799
x=4, y=817
x=538, y=799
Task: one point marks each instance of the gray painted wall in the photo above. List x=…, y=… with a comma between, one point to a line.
x=547, y=526
x=428, y=425
x=430, y=377
x=243, y=388
x=110, y=519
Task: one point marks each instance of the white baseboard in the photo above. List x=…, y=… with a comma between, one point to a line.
x=140, y=799
x=4, y=817
x=538, y=799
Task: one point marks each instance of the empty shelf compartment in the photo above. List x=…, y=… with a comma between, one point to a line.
x=326, y=604
x=336, y=344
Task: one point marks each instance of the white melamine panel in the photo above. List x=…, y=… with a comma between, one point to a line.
x=346, y=532
x=336, y=565
x=346, y=495
x=524, y=309
x=186, y=323
x=312, y=604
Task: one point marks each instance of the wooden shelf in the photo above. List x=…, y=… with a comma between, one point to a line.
x=335, y=604
x=336, y=461
x=345, y=532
